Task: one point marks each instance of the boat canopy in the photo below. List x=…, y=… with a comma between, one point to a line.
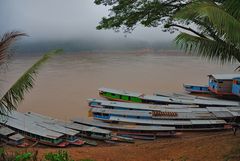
x=85, y=128
x=166, y=122
x=20, y=122
x=31, y=128
x=121, y=92
x=143, y=106
x=50, y=125
x=168, y=99
x=122, y=127
x=154, y=114
x=16, y=137
x=5, y=131
x=224, y=76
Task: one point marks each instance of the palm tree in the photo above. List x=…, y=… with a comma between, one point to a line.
x=10, y=100
x=218, y=25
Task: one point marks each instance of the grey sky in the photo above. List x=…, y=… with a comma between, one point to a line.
x=65, y=19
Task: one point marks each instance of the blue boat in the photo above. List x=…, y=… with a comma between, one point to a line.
x=222, y=84
x=190, y=121
x=196, y=88
x=236, y=86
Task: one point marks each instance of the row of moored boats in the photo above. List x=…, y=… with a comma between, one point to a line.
x=124, y=116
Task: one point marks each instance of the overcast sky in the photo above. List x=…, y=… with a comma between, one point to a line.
x=65, y=19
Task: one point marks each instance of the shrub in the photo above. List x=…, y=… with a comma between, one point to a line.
x=59, y=156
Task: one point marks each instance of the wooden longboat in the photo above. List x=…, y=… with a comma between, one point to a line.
x=125, y=139
x=100, y=103
x=70, y=135
x=73, y=129
x=90, y=132
x=133, y=130
x=89, y=142
x=17, y=122
x=183, y=122
x=127, y=96
x=173, y=112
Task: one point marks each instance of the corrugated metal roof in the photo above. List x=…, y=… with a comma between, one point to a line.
x=225, y=76
x=142, y=106
x=222, y=114
x=196, y=101
x=218, y=121
x=184, y=96
x=211, y=109
x=58, y=128
x=235, y=113
x=149, y=121
x=5, y=131
x=19, y=121
x=163, y=122
x=200, y=122
x=68, y=126
x=122, y=112
x=123, y=127
x=30, y=128
x=49, y=123
x=175, y=100
x=207, y=122
x=150, y=107
x=85, y=128
x=121, y=92
x=233, y=108
x=148, y=114
x=16, y=137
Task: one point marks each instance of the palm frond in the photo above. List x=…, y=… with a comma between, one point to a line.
x=23, y=85
x=207, y=48
x=225, y=25
x=232, y=7
x=7, y=39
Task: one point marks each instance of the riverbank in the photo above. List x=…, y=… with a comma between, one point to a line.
x=202, y=146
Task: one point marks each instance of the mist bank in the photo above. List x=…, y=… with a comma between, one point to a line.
x=28, y=47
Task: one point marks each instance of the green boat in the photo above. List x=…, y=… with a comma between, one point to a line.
x=127, y=96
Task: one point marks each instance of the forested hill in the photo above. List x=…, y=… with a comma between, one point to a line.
x=26, y=47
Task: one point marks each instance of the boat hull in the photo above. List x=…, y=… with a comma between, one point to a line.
x=196, y=89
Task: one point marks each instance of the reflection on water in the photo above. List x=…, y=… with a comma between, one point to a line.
x=66, y=81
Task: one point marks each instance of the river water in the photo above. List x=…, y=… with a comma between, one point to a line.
x=67, y=81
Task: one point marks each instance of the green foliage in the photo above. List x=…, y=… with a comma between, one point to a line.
x=24, y=157
x=218, y=35
x=149, y=13
x=212, y=25
x=1, y=151
x=16, y=156
x=16, y=93
x=59, y=156
x=7, y=39
x=128, y=14
x=32, y=156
